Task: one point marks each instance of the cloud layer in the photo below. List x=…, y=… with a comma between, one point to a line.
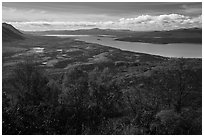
x=161, y=22
x=139, y=23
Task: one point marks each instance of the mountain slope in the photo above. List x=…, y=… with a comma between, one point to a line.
x=9, y=33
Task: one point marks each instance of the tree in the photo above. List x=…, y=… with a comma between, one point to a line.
x=30, y=83
x=74, y=97
x=89, y=99
x=33, y=111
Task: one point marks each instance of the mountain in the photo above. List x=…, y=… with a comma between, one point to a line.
x=94, y=31
x=9, y=33
x=191, y=35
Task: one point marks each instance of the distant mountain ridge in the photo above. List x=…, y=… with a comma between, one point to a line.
x=9, y=33
x=94, y=31
x=189, y=35
x=118, y=32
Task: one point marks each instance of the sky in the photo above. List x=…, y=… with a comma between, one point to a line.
x=146, y=16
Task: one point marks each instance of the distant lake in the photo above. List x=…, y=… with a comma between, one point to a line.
x=168, y=50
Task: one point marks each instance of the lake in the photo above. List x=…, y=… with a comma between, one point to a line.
x=167, y=50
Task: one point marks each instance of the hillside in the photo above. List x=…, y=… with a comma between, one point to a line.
x=9, y=33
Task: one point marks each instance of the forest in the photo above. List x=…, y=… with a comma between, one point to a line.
x=159, y=98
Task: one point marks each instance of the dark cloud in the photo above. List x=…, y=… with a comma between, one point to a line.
x=111, y=8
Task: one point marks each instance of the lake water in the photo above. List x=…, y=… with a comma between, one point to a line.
x=168, y=50
x=37, y=50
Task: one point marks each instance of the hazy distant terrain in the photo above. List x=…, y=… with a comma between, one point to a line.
x=192, y=35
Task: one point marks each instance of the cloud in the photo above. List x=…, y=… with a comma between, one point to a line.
x=161, y=22
x=41, y=19
x=139, y=23
x=37, y=15
x=46, y=25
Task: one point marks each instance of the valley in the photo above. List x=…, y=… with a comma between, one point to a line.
x=99, y=85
